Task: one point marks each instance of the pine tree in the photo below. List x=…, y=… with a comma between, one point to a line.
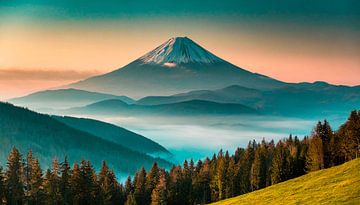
x=230, y=180
x=201, y=181
x=186, y=181
x=315, y=155
x=245, y=168
x=129, y=188
x=140, y=187
x=65, y=186
x=27, y=177
x=218, y=183
x=349, y=137
x=13, y=183
x=159, y=195
x=280, y=163
x=152, y=179
x=88, y=182
x=76, y=185
x=256, y=167
x=36, y=191
x=52, y=184
x=175, y=195
x=110, y=189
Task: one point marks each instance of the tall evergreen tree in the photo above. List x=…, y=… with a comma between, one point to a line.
x=315, y=155
x=159, y=195
x=65, y=183
x=13, y=182
x=129, y=188
x=349, y=137
x=36, y=194
x=201, y=183
x=186, y=182
x=110, y=189
x=76, y=185
x=140, y=188
x=52, y=184
x=27, y=176
x=152, y=179
x=175, y=183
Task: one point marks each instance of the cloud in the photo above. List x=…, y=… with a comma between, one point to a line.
x=44, y=75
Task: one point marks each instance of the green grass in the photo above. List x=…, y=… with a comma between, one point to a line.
x=336, y=185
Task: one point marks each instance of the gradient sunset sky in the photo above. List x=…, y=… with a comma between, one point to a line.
x=47, y=43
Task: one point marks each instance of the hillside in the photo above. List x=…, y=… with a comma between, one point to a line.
x=336, y=185
x=115, y=134
x=49, y=138
x=192, y=107
x=63, y=98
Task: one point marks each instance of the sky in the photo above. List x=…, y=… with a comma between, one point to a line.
x=49, y=43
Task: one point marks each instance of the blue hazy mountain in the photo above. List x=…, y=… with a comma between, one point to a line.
x=178, y=65
x=63, y=98
x=116, y=135
x=186, y=108
x=302, y=100
x=47, y=137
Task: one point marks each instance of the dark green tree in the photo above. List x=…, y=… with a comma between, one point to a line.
x=349, y=137
x=13, y=179
x=152, y=179
x=140, y=187
x=65, y=184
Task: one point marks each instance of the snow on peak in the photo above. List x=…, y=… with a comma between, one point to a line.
x=179, y=50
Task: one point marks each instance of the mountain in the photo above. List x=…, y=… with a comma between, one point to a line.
x=178, y=65
x=193, y=107
x=63, y=98
x=306, y=99
x=231, y=94
x=115, y=134
x=47, y=137
x=336, y=185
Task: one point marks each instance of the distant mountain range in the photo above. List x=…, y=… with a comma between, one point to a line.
x=190, y=108
x=63, y=98
x=178, y=65
x=301, y=101
x=50, y=137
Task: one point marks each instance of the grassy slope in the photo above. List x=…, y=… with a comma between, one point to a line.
x=336, y=185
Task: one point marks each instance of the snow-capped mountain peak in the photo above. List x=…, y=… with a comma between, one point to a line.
x=179, y=50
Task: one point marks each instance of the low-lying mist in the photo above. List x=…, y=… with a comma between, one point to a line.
x=199, y=137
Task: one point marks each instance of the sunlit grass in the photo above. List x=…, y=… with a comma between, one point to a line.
x=336, y=185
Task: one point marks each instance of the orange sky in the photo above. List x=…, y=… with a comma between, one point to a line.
x=53, y=55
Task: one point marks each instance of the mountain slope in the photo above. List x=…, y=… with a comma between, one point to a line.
x=63, y=98
x=114, y=134
x=193, y=107
x=178, y=65
x=49, y=138
x=336, y=185
x=301, y=101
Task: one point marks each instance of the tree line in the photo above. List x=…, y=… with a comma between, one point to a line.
x=222, y=176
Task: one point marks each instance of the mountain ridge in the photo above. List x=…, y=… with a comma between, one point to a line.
x=192, y=107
